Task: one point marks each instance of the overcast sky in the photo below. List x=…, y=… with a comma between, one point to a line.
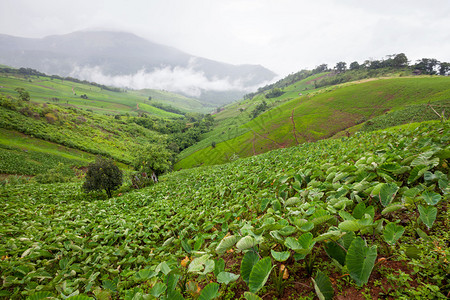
x=282, y=35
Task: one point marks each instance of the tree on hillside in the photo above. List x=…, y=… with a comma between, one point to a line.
x=354, y=66
x=427, y=65
x=154, y=161
x=340, y=67
x=400, y=61
x=23, y=95
x=444, y=68
x=321, y=68
x=103, y=174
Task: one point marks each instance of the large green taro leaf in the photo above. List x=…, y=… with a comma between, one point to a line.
x=360, y=260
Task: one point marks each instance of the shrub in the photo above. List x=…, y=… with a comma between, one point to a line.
x=103, y=174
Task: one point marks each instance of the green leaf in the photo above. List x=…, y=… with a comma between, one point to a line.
x=360, y=261
x=174, y=295
x=417, y=172
x=334, y=250
x=40, y=295
x=226, y=277
x=186, y=246
x=359, y=210
x=392, y=207
x=280, y=256
x=197, y=264
x=158, y=289
x=251, y=296
x=248, y=261
x=209, y=292
x=259, y=275
x=427, y=215
x=226, y=244
x=144, y=274
x=392, y=232
x=350, y=226
x=163, y=267
x=245, y=243
x=431, y=198
x=292, y=244
x=292, y=201
x=219, y=266
x=80, y=297
x=387, y=193
x=306, y=240
x=323, y=286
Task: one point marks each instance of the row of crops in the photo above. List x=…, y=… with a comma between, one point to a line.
x=315, y=219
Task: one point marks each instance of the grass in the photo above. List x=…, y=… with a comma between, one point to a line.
x=319, y=115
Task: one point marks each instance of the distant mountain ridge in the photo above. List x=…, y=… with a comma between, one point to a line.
x=116, y=57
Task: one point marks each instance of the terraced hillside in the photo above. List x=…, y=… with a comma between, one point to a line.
x=320, y=114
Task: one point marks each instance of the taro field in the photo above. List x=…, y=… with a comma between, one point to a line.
x=363, y=217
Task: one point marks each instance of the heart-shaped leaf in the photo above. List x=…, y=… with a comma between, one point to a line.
x=226, y=277
x=209, y=292
x=245, y=243
x=427, y=215
x=251, y=296
x=259, y=275
x=323, y=286
x=280, y=256
x=431, y=198
x=387, y=193
x=225, y=244
x=158, y=289
x=392, y=232
x=248, y=261
x=360, y=261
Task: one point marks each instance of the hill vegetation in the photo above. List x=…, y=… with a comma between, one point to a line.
x=323, y=114
x=69, y=91
x=348, y=203
x=291, y=222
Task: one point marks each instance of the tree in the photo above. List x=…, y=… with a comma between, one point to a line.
x=427, y=65
x=400, y=61
x=341, y=67
x=155, y=160
x=354, y=66
x=103, y=174
x=23, y=95
x=444, y=67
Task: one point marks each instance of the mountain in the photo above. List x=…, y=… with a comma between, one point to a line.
x=126, y=60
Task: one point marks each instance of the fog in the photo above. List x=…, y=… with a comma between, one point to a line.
x=175, y=79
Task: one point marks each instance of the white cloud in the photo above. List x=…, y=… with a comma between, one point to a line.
x=177, y=79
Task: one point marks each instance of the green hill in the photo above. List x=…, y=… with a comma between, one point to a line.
x=101, y=99
x=361, y=216
x=315, y=115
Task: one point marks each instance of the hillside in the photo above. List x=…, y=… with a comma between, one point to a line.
x=100, y=99
x=292, y=119
x=354, y=217
x=125, y=60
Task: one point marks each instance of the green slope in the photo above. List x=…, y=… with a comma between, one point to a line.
x=77, y=129
x=61, y=240
x=320, y=115
x=22, y=154
x=46, y=89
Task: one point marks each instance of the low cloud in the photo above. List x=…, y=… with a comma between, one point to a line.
x=176, y=79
